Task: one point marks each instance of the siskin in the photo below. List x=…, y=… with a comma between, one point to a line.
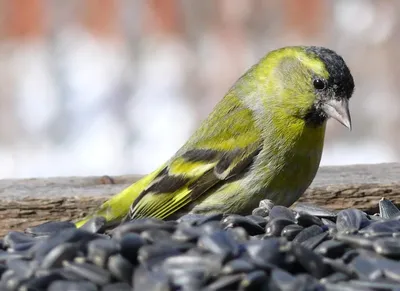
x=263, y=140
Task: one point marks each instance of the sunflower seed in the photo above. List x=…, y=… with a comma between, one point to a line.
x=22, y=268
x=281, y=212
x=155, y=235
x=266, y=205
x=71, y=285
x=143, y=279
x=281, y=280
x=190, y=219
x=355, y=240
x=260, y=212
x=153, y=255
x=364, y=285
x=239, y=234
x=255, y=280
x=291, y=231
x=344, y=286
x=332, y=249
x=314, y=241
x=387, y=209
x=40, y=283
x=265, y=254
x=49, y=228
x=309, y=260
x=55, y=257
x=94, y=225
x=120, y=286
x=386, y=226
x=389, y=247
x=335, y=277
x=328, y=222
x=339, y=266
x=120, y=268
x=351, y=220
x=305, y=219
x=15, y=238
x=186, y=234
x=364, y=267
x=237, y=266
x=229, y=282
x=307, y=282
x=207, y=218
x=276, y=225
x=90, y=272
x=43, y=247
x=139, y=225
x=99, y=250
x=314, y=210
x=261, y=221
x=130, y=245
x=307, y=233
x=193, y=270
x=249, y=225
x=13, y=282
x=220, y=243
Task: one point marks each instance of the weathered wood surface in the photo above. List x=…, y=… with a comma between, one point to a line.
x=26, y=202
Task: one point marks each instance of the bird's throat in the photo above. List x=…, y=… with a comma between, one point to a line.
x=315, y=117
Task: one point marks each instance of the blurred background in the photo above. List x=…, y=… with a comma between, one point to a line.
x=94, y=87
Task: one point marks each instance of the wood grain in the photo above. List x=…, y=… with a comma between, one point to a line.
x=25, y=202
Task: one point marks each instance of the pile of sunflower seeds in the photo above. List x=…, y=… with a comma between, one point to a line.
x=274, y=248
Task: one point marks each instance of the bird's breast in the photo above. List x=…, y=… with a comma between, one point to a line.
x=288, y=162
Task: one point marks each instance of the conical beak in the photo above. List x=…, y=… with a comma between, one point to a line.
x=339, y=110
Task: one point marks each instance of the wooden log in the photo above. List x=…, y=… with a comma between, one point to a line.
x=26, y=202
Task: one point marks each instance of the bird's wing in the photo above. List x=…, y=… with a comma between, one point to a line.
x=223, y=147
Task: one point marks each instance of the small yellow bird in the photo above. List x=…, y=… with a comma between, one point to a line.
x=263, y=140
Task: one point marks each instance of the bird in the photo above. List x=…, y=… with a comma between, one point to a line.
x=263, y=140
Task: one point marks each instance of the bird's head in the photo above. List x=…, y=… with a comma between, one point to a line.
x=312, y=83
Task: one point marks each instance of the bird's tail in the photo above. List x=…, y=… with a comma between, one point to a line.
x=117, y=207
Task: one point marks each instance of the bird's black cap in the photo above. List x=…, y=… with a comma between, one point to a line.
x=340, y=77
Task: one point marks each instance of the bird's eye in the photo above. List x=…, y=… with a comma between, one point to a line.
x=319, y=84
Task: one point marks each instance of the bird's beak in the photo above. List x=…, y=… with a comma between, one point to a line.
x=339, y=110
